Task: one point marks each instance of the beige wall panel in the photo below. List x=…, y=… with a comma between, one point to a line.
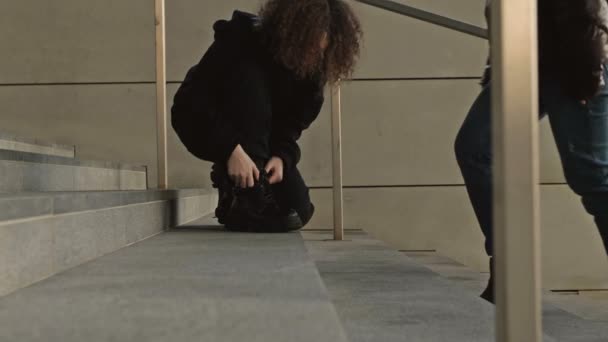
x=77, y=41
x=442, y=219
x=403, y=132
x=323, y=217
x=190, y=32
x=185, y=170
x=398, y=46
x=105, y=122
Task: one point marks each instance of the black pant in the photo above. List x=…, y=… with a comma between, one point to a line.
x=291, y=193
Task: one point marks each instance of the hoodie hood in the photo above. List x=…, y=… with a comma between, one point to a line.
x=241, y=29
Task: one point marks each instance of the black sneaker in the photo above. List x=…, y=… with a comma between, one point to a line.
x=225, y=191
x=256, y=210
x=488, y=294
x=223, y=205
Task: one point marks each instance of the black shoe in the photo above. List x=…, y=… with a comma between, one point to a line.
x=256, y=210
x=225, y=191
x=488, y=294
x=223, y=205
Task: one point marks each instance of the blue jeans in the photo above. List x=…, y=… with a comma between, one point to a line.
x=581, y=135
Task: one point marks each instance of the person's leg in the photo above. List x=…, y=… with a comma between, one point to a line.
x=293, y=194
x=474, y=155
x=581, y=135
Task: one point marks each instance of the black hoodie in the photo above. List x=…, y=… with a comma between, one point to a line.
x=199, y=112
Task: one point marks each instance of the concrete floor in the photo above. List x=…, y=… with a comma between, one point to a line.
x=200, y=283
x=568, y=316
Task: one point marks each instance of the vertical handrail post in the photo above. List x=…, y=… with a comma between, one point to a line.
x=516, y=176
x=336, y=137
x=161, y=95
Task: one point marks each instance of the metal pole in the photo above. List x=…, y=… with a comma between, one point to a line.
x=516, y=180
x=336, y=137
x=161, y=95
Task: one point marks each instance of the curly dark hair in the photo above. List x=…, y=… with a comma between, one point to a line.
x=572, y=42
x=293, y=31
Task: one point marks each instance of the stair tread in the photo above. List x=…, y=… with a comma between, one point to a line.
x=29, y=157
x=24, y=144
x=196, y=283
x=32, y=204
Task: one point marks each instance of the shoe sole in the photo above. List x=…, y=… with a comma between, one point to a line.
x=284, y=225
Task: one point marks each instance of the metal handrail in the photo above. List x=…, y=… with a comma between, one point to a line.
x=429, y=17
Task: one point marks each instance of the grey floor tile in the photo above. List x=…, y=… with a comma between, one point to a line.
x=568, y=318
x=382, y=295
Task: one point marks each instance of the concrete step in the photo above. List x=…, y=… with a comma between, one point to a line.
x=24, y=171
x=382, y=295
x=196, y=283
x=42, y=234
x=566, y=317
x=13, y=143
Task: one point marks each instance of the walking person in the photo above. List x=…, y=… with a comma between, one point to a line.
x=573, y=53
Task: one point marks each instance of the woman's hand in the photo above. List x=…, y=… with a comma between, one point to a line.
x=241, y=169
x=275, y=169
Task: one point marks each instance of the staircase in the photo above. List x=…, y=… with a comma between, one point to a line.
x=90, y=258
x=58, y=212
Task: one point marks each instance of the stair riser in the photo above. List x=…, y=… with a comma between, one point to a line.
x=31, y=250
x=32, y=177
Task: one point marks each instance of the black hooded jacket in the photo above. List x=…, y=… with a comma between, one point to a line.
x=236, y=76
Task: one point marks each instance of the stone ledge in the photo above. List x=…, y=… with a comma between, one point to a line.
x=27, y=205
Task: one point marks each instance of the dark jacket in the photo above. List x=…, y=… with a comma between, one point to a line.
x=545, y=7
x=237, y=67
